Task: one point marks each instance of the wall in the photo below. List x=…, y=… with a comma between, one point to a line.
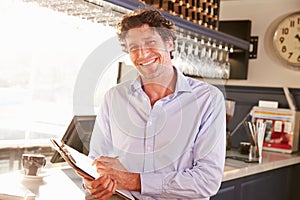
x=266, y=70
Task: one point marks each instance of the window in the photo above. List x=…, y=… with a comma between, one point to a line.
x=41, y=55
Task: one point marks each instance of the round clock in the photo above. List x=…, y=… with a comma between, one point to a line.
x=286, y=39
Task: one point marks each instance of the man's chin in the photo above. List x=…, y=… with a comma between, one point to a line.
x=149, y=76
x=151, y=72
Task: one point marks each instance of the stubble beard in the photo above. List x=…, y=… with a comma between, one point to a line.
x=151, y=77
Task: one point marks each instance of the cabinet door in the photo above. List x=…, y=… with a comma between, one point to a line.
x=272, y=185
x=226, y=192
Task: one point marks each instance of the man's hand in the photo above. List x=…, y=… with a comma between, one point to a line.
x=110, y=161
x=101, y=188
x=114, y=169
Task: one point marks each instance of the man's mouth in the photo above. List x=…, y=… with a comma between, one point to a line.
x=149, y=62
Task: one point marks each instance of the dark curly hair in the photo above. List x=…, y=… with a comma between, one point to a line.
x=152, y=17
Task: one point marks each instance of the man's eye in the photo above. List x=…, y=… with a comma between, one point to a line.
x=133, y=48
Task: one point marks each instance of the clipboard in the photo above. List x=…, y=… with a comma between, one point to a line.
x=83, y=164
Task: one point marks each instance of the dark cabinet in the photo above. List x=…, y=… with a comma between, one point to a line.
x=279, y=184
x=238, y=59
x=226, y=192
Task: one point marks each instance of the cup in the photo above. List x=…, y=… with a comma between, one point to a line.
x=258, y=131
x=33, y=163
x=245, y=148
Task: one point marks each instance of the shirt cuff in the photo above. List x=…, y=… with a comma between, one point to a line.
x=151, y=184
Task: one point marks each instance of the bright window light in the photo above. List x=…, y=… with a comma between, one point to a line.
x=41, y=54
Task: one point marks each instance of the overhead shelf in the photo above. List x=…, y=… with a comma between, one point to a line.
x=189, y=26
x=110, y=12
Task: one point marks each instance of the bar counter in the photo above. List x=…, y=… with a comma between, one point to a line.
x=276, y=178
x=271, y=160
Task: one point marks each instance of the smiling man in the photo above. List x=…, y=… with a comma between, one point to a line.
x=151, y=56
x=167, y=129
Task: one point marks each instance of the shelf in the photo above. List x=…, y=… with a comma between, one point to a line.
x=188, y=26
x=110, y=12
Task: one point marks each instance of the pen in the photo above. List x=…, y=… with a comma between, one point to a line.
x=71, y=158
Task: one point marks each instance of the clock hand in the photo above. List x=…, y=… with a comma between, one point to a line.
x=298, y=37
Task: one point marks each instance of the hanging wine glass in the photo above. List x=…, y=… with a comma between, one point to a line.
x=175, y=53
x=190, y=57
x=220, y=62
x=179, y=52
x=196, y=61
x=226, y=64
x=214, y=63
x=209, y=62
x=202, y=64
x=182, y=56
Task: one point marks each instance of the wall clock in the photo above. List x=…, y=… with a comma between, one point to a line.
x=286, y=40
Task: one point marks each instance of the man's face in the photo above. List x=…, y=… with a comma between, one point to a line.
x=148, y=51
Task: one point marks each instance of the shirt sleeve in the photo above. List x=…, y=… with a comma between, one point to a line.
x=204, y=178
x=101, y=143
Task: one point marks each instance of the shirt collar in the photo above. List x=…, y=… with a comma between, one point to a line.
x=182, y=84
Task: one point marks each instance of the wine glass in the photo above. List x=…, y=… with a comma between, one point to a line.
x=190, y=57
x=226, y=64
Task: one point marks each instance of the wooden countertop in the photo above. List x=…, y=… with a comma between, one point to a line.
x=271, y=160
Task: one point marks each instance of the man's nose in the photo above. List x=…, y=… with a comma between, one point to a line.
x=143, y=50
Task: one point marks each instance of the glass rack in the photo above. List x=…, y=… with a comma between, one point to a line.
x=188, y=26
x=200, y=51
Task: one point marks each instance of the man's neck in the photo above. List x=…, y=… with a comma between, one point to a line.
x=161, y=87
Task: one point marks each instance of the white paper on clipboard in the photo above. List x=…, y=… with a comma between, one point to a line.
x=82, y=163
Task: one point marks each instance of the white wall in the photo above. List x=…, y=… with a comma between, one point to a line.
x=266, y=70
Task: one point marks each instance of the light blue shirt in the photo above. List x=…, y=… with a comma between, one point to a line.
x=177, y=145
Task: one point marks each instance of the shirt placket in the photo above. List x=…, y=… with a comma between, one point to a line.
x=150, y=133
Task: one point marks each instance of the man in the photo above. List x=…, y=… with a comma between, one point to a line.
x=167, y=130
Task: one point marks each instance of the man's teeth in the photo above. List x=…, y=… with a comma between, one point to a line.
x=149, y=62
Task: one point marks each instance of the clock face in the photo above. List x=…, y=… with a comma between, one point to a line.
x=287, y=39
